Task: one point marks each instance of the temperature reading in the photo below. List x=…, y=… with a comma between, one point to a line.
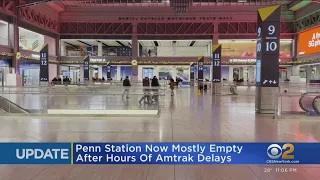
x=271, y=29
x=271, y=46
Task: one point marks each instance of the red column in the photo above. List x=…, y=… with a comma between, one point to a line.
x=14, y=28
x=135, y=52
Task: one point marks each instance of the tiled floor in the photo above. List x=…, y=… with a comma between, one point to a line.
x=185, y=117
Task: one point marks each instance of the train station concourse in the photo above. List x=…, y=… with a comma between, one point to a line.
x=159, y=71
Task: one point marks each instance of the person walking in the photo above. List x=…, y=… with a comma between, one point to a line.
x=172, y=86
x=155, y=85
x=146, y=95
x=126, y=84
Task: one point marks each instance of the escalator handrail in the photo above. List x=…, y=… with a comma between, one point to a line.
x=315, y=108
x=14, y=104
x=232, y=89
x=300, y=100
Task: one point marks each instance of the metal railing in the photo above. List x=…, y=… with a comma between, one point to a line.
x=288, y=104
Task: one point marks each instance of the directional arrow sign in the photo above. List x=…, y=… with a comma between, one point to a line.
x=274, y=81
x=270, y=81
x=265, y=81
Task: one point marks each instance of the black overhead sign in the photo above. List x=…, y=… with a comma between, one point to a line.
x=268, y=42
x=44, y=64
x=200, y=68
x=216, y=61
x=86, y=68
x=192, y=71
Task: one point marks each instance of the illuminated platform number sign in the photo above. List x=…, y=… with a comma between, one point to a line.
x=270, y=40
x=44, y=72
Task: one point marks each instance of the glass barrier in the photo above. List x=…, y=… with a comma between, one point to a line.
x=85, y=100
x=291, y=104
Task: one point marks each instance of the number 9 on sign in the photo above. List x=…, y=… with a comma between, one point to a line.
x=259, y=31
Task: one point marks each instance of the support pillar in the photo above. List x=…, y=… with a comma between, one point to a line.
x=241, y=75
x=99, y=49
x=135, y=53
x=230, y=79
x=63, y=48
x=92, y=74
x=100, y=71
x=14, y=43
x=309, y=74
x=250, y=74
x=118, y=72
x=267, y=64
x=295, y=74
x=81, y=73
x=58, y=54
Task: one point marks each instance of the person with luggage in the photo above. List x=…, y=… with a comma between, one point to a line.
x=146, y=90
x=155, y=85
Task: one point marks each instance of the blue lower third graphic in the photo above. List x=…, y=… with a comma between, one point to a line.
x=159, y=153
x=36, y=153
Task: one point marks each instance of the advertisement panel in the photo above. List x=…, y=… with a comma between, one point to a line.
x=247, y=48
x=309, y=42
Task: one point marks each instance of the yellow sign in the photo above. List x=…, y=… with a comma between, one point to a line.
x=18, y=55
x=264, y=13
x=134, y=63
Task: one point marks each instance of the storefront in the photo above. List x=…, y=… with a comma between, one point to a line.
x=5, y=65
x=30, y=68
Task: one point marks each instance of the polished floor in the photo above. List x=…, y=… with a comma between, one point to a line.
x=185, y=117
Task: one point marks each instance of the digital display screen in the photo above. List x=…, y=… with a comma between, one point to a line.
x=258, y=71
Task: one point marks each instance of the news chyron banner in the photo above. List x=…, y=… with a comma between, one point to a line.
x=216, y=61
x=44, y=63
x=309, y=42
x=159, y=153
x=268, y=45
x=86, y=68
x=200, y=68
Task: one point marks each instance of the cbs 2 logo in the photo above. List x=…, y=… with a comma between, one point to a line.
x=275, y=151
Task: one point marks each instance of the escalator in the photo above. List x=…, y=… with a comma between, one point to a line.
x=309, y=102
x=316, y=104
x=183, y=76
x=9, y=107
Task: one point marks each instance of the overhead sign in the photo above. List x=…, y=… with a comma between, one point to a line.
x=309, y=42
x=268, y=42
x=244, y=60
x=95, y=60
x=200, y=68
x=216, y=61
x=44, y=60
x=86, y=68
x=174, y=18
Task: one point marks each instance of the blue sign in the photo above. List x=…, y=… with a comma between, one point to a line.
x=159, y=153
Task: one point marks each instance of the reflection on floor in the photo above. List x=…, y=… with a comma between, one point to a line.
x=185, y=117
